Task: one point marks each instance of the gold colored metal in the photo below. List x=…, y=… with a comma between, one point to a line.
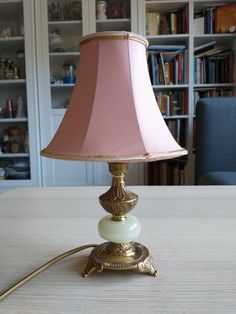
x=117, y=200
x=120, y=256
x=120, y=36
x=39, y=270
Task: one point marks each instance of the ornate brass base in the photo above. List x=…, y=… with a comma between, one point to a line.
x=120, y=256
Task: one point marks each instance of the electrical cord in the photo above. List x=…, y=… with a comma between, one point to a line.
x=39, y=270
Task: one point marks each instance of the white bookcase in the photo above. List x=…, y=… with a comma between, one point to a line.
x=190, y=40
x=19, y=133
x=49, y=42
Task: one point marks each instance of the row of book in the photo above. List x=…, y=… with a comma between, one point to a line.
x=217, y=19
x=167, y=64
x=170, y=172
x=213, y=64
x=173, y=102
x=172, y=22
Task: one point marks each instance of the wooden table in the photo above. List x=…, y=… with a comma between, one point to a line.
x=190, y=232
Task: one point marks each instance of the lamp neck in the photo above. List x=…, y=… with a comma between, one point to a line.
x=118, y=172
x=117, y=200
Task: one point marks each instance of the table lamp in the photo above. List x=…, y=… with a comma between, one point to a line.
x=113, y=117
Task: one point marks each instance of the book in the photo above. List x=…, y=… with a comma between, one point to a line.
x=153, y=23
x=198, y=25
x=209, y=20
x=204, y=47
x=166, y=47
x=225, y=18
x=173, y=22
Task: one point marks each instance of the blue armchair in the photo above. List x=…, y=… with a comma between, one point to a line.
x=215, y=162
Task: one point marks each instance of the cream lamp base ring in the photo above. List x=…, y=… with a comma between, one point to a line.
x=122, y=231
x=120, y=256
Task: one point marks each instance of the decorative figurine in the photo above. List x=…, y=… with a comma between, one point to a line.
x=6, y=32
x=16, y=140
x=56, y=41
x=101, y=10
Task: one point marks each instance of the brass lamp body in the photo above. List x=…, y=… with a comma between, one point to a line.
x=119, y=256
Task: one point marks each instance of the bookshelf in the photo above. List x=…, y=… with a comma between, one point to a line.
x=191, y=34
x=19, y=161
x=51, y=46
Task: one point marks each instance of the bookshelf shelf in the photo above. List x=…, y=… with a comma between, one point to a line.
x=64, y=23
x=64, y=54
x=179, y=86
x=14, y=155
x=113, y=21
x=13, y=120
x=214, y=85
x=11, y=39
x=175, y=117
x=13, y=82
x=62, y=85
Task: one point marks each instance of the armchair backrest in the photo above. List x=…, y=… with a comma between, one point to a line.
x=215, y=135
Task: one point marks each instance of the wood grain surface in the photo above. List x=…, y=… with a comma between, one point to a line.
x=190, y=232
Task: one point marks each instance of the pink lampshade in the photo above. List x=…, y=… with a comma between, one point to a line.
x=113, y=115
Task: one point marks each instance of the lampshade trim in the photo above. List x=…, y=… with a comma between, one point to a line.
x=126, y=36
x=131, y=158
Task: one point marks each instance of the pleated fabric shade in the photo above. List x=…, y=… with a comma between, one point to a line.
x=113, y=115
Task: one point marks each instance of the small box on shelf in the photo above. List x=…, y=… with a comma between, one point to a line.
x=225, y=18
